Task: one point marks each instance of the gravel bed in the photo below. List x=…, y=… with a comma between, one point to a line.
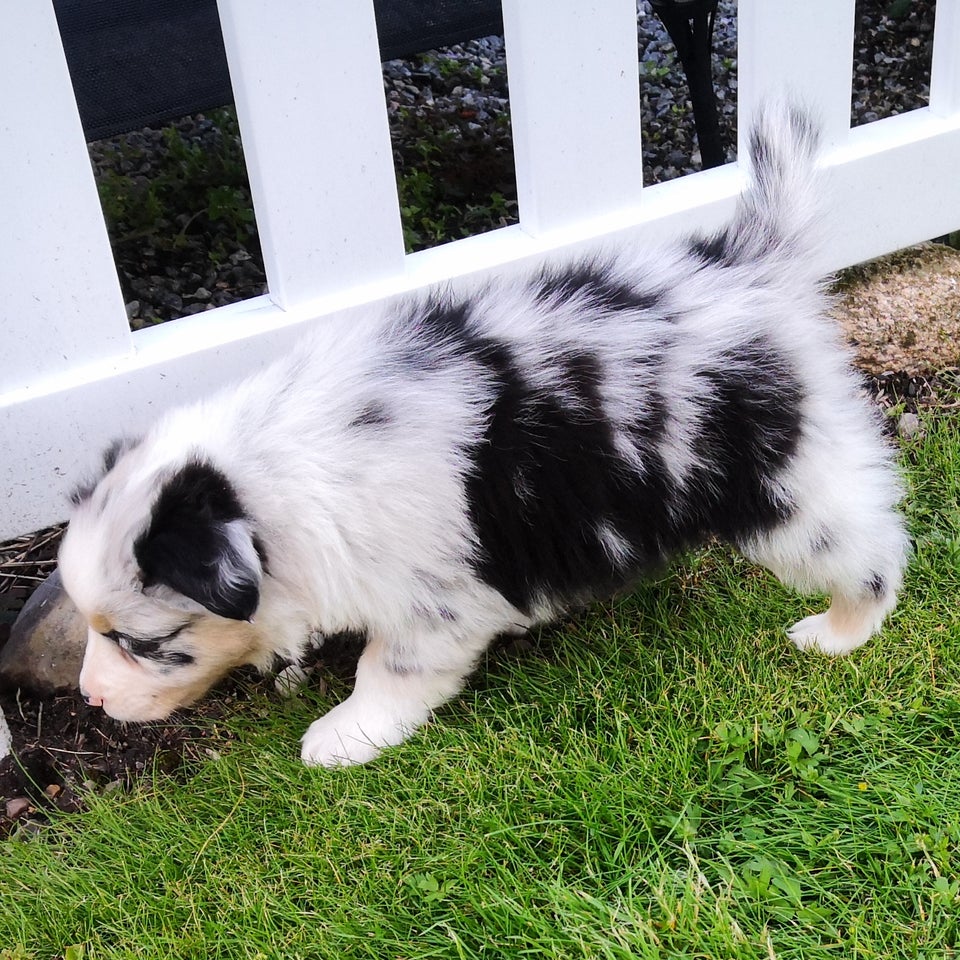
x=449, y=121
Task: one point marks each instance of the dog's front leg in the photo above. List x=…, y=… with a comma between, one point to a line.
x=398, y=685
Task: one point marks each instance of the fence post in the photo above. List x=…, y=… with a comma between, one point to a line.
x=575, y=108
x=309, y=92
x=799, y=48
x=62, y=302
x=945, y=70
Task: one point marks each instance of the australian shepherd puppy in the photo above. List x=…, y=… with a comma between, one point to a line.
x=455, y=466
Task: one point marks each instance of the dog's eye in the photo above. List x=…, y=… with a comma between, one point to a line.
x=123, y=642
x=147, y=650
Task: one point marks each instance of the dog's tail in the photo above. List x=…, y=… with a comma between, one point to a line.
x=777, y=216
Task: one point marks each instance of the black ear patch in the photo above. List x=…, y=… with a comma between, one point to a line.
x=201, y=544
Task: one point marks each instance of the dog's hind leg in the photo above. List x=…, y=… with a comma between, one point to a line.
x=399, y=683
x=862, y=581
x=847, y=624
x=844, y=537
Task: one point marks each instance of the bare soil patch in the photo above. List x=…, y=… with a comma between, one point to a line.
x=64, y=749
x=902, y=312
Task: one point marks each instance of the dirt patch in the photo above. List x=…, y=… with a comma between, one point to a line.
x=902, y=312
x=64, y=749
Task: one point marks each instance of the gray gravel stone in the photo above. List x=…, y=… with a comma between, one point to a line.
x=16, y=807
x=908, y=426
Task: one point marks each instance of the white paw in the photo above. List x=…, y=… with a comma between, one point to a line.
x=817, y=633
x=348, y=735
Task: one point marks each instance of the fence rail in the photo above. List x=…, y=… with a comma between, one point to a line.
x=312, y=113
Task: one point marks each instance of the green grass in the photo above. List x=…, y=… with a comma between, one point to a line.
x=664, y=777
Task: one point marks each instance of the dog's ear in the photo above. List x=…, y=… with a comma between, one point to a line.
x=200, y=543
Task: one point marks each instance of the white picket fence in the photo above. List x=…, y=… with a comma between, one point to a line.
x=309, y=93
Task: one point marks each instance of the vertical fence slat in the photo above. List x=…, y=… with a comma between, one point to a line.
x=309, y=91
x=945, y=70
x=802, y=48
x=575, y=108
x=62, y=305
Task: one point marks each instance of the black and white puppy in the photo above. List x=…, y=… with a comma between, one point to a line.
x=455, y=467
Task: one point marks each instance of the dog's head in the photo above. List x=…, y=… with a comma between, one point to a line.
x=165, y=566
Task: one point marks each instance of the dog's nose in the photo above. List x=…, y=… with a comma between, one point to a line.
x=91, y=700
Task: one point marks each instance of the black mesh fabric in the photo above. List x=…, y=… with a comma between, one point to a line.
x=141, y=62
x=412, y=26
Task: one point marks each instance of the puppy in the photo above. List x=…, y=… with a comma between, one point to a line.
x=454, y=467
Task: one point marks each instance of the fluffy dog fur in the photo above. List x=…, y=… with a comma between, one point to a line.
x=451, y=468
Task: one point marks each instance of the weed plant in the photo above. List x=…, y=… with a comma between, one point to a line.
x=184, y=188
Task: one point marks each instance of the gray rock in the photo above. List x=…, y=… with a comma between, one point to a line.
x=17, y=807
x=45, y=649
x=908, y=426
x=291, y=679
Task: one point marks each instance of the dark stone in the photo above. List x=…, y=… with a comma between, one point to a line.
x=45, y=650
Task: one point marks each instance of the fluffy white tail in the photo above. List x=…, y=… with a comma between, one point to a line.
x=777, y=215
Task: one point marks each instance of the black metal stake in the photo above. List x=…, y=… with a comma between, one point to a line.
x=690, y=25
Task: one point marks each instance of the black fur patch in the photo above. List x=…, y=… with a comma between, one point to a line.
x=717, y=249
x=116, y=450
x=83, y=492
x=750, y=431
x=590, y=281
x=545, y=541
x=261, y=552
x=374, y=414
x=549, y=482
x=822, y=543
x=187, y=548
x=877, y=586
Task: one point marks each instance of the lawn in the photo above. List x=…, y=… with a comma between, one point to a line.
x=662, y=777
